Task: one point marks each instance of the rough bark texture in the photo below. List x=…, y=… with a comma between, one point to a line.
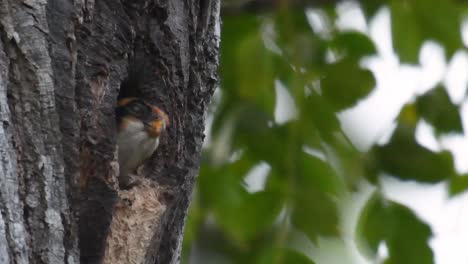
x=62, y=66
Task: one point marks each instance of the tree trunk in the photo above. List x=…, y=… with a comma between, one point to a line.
x=62, y=65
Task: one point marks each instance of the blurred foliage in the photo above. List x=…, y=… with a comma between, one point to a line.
x=310, y=167
x=437, y=109
x=404, y=234
x=414, y=21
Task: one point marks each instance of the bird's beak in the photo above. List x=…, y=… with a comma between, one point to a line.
x=162, y=115
x=158, y=125
x=155, y=127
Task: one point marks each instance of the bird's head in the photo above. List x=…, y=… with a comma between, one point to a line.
x=137, y=110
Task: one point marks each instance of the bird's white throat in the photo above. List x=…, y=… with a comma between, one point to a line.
x=135, y=146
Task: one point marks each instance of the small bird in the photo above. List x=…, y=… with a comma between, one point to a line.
x=139, y=126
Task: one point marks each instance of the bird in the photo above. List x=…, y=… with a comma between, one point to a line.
x=139, y=126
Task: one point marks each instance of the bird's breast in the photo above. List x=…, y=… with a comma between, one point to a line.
x=135, y=146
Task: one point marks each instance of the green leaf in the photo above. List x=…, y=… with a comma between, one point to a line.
x=345, y=83
x=370, y=7
x=320, y=115
x=316, y=216
x=408, y=116
x=307, y=51
x=414, y=21
x=234, y=29
x=246, y=65
x=317, y=175
x=458, y=184
x=404, y=158
x=284, y=70
x=254, y=70
x=254, y=131
x=405, y=236
x=256, y=213
x=315, y=195
x=370, y=231
x=258, y=136
x=289, y=23
x=408, y=243
x=350, y=162
x=294, y=36
x=240, y=214
x=220, y=186
x=353, y=44
x=283, y=255
x=436, y=108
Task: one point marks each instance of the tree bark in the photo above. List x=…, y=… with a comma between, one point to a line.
x=62, y=66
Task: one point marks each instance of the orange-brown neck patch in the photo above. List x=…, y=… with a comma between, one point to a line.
x=161, y=114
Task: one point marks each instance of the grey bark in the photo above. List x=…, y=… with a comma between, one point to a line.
x=62, y=65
